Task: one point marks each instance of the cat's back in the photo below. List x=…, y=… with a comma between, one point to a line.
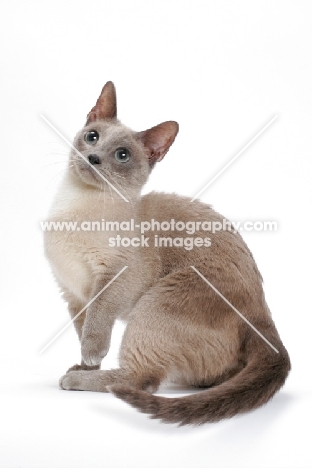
x=220, y=247
x=170, y=206
x=166, y=205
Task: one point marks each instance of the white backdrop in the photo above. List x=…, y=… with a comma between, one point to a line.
x=222, y=70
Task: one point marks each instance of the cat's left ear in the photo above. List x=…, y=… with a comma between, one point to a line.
x=157, y=140
x=106, y=105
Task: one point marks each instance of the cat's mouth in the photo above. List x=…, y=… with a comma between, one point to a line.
x=88, y=174
x=96, y=176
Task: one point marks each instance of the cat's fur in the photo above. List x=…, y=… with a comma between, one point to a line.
x=178, y=328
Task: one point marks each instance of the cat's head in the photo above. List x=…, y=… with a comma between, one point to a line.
x=109, y=150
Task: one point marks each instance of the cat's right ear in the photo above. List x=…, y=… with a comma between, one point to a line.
x=157, y=140
x=106, y=105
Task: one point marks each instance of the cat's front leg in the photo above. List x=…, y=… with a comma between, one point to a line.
x=113, y=296
x=96, y=336
x=75, y=308
x=98, y=325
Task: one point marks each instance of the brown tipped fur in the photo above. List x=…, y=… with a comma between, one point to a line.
x=178, y=328
x=253, y=386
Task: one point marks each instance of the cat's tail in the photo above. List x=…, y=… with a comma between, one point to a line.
x=263, y=375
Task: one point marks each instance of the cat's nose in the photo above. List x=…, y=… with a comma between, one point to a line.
x=94, y=159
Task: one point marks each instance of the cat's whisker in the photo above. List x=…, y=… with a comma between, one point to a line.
x=130, y=201
x=118, y=175
x=108, y=175
x=52, y=153
x=114, y=172
x=111, y=195
x=96, y=201
x=43, y=158
x=41, y=168
x=127, y=194
x=65, y=161
x=121, y=188
x=55, y=175
x=63, y=153
x=104, y=193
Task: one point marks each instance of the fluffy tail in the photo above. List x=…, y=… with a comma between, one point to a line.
x=263, y=375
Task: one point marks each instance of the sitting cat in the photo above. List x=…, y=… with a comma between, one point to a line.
x=179, y=329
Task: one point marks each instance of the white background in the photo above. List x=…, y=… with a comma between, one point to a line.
x=222, y=69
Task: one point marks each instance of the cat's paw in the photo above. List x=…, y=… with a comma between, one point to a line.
x=93, y=359
x=72, y=380
x=93, y=352
x=77, y=367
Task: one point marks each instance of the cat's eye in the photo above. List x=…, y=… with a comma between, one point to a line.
x=122, y=155
x=91, y=137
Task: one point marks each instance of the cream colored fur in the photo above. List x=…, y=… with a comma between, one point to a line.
x=178, y=328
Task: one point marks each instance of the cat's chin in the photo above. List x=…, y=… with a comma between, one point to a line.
x=89, y=177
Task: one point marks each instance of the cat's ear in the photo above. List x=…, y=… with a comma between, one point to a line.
x=157, y=140
x=106, y=105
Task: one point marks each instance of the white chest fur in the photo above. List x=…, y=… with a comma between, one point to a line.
x=77, y=256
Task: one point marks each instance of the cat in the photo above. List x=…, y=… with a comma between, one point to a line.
x=179, y=329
